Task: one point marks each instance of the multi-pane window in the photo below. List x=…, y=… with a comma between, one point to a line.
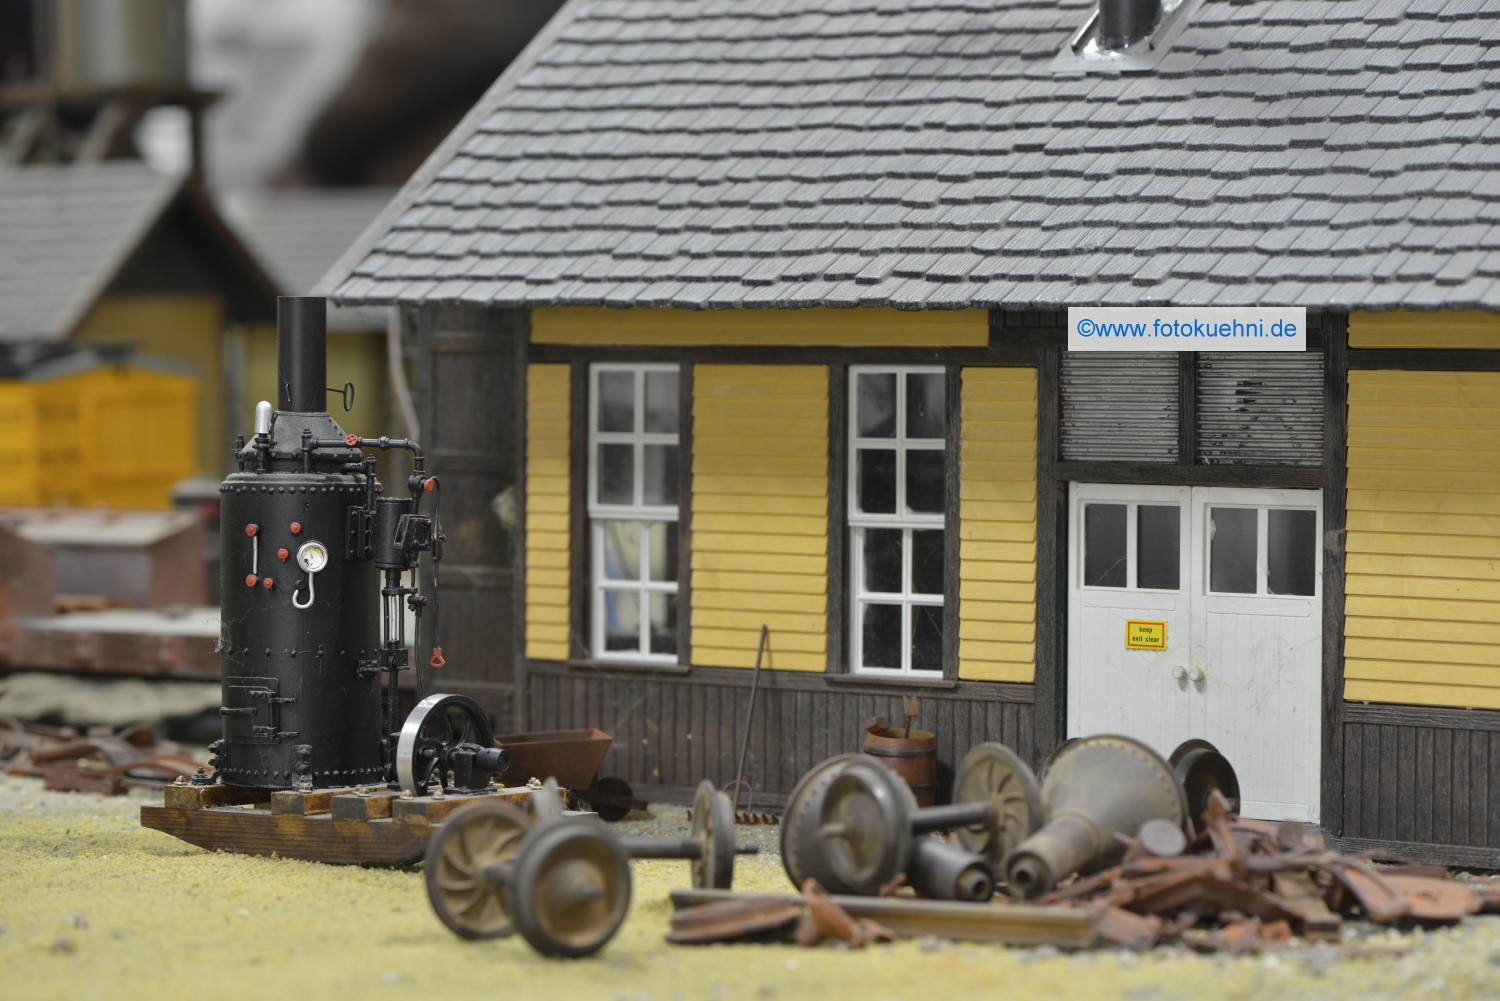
x=897, y=501
x=632, y=502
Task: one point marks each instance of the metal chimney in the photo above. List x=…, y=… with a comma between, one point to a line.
x=1124, y=22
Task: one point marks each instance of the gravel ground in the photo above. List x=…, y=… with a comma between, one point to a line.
x=94, y=906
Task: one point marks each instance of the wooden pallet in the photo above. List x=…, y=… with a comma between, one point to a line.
x=338, y=826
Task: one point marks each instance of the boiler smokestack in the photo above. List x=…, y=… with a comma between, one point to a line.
x=1124, y=22
x=302, y=353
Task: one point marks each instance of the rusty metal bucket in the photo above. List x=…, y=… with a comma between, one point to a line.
x=570, y=756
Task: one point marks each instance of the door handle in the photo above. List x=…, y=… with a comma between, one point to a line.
x=1179, y=672
x=1196, y=674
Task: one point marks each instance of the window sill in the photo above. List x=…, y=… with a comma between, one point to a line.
x=627, y=666
x=889, y=682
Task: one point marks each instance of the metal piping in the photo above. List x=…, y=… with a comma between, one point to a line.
x=302, y=353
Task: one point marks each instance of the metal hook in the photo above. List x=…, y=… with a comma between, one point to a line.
x=347, y=393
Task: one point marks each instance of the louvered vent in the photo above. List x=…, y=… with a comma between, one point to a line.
x=1260, y=408
x=1119, y=407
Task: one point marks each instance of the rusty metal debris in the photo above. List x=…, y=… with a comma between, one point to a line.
x=1245, y=885
x=737, y=917
x=99, y=759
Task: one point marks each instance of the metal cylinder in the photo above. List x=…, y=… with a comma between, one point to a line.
x=302, y=353
x=298, y=647
x=1122, y=22
x=388, y=512
x=940, y=871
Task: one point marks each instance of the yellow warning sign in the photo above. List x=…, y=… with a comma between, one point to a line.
x=1143, y=635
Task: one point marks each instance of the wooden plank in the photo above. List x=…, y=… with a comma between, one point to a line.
x=1430, y=545
x=1383, y=606
x=1419, y=693
x=734, y=327
x=1466, y=593
x=290, y=802
x=812, y=585
x=1430, y=482
x=809, y=505
x=1446, y=663
x=363, y=806
x=1422, y=525
x=1450, y=568
x=317, y=838
x=196, y=797
x=424, y=811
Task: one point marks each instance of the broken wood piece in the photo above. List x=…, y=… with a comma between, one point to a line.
x=1010, y=924
x=1433, y=899
x=1380, y=900
x=1122, y=927
x=1298, y=892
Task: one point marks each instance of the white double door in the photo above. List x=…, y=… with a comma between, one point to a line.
x=1196, y=612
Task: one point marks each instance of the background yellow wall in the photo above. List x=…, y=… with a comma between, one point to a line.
x=1423, y=609
x=997, y=525
x=1454, y=329
x=548, y=502
x=760, y=515
x=187, y=328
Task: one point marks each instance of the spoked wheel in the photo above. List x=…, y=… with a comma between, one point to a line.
x=865, y=824
x=468, y=860
x=435, y=727
x=800, y=847
x=713, y=829
x=571, y=888
x=992, y=773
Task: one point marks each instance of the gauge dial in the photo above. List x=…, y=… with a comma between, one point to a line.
x=312, y=557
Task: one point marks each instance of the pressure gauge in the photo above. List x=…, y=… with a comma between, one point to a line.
x=312, y=557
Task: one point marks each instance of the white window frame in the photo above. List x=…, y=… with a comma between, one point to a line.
x=653, y=518
x=901, y=519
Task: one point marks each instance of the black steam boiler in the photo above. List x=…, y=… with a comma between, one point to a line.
x=319, y=572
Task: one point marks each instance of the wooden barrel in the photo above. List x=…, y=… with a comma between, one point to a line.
x=911, y=754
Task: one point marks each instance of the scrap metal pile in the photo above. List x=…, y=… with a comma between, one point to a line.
x=1115, y=845
x=99, y=759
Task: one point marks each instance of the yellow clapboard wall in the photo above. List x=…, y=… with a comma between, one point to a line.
x=1422, y=614
x=760, y=515
x=776, y=327
x=997, y=526
x=1452, y=329
x=547, y=511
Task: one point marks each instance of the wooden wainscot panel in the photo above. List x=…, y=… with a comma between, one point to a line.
x=1451, y=329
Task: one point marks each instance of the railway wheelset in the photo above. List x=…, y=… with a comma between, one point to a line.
x=854, y=825
x=562, y=881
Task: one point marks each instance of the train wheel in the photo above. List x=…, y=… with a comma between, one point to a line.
x=571, y=889
x=469, y=859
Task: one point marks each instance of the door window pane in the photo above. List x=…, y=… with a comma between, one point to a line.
x=925, y=481
x=1104, y=545
x=1232, y=550
x=1158, y=542
x=927, y=562
x=1291, y=552
x=925, y=405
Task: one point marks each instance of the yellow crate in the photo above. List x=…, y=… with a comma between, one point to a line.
x=111, y=435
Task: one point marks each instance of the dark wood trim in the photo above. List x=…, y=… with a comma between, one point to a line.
x=1006, y=356
x=1443, y=717
x=684, y=511
x=1464, y=856
x=625, y=667
x=578, y=518
x=1335, y=473
x=837, y=609
x=952, y=523
x=865, y=681
x=1426, y=359
x=808, y=681
x=1051, y=678
x=1187, y=408
x=1181, y=475
x=518, y=542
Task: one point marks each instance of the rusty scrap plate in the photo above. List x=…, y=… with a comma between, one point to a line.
x=734, y=918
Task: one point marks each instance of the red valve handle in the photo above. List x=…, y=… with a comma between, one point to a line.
x=351, y=439
x=437, y=657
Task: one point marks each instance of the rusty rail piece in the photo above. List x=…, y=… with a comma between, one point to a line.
x=739, y=771
x=909, y=917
